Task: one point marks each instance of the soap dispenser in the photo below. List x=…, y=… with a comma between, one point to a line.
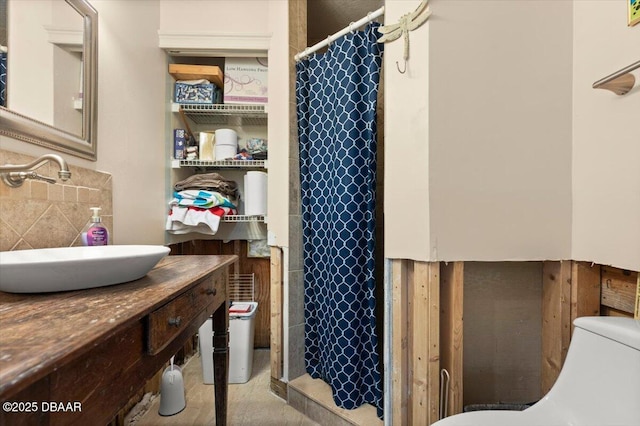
x=95, y=233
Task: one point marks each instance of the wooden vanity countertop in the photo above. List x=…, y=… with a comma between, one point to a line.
x=42, y=332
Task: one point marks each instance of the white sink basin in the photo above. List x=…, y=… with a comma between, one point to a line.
x=75, y=268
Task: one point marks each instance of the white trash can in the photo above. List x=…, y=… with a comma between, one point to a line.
x=241, y=332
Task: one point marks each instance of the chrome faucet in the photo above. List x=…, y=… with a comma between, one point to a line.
x=15, y=175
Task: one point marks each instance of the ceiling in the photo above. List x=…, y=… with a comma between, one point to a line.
x=326, y=17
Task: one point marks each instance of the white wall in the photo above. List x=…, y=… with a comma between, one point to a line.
x=220, y=16
x=500, y=130
x=525, y=160
x=606, y=138
x=131, y=114
x=479, y=133
x=279, y=129
x=406, y=145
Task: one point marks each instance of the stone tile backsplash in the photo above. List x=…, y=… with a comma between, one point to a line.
x=40, y=214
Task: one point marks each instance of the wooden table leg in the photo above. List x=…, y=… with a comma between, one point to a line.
x=221, y=362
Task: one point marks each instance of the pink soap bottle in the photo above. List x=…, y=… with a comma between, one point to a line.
x=95, y=233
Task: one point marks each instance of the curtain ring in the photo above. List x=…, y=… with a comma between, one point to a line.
x=351, y=28
x=329, y=41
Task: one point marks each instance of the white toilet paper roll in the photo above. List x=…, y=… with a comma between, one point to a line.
x=224, y=152
x=227, y=137
x=255, y=193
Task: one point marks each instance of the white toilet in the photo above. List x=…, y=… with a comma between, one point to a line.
x=599, y=384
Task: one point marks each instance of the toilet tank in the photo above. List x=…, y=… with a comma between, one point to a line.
x=625, y=331
x=600, y=379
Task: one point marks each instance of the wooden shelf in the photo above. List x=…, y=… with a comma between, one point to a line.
x=197, y=72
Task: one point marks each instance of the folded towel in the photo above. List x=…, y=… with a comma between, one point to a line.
x=200, y=198
x=182, y=220
x=211, y=182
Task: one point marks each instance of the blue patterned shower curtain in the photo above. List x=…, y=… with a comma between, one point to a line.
x=336, y=95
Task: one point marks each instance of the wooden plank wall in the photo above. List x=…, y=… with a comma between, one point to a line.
x=570, y=290
x=400, y=343
x=260, y=267
x=416, y=342
x=585, y=290
x=277, y=273
x=636, y=314
x=618, y=296
x=451, y=331
x=556, y=320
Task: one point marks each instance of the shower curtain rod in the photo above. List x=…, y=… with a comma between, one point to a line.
x=352, y=26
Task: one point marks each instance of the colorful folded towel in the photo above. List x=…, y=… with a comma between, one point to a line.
x=200, y=198
x=182, y=220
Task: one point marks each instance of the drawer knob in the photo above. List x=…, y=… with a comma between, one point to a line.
x=175, y=321
x=211, y=291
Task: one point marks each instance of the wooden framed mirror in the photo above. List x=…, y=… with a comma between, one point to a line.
x=56, y=128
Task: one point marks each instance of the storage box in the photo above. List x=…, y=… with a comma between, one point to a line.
x=197, y=72
x=179, y=144
x=245, y=81
x=241, y=334
x=194, y=93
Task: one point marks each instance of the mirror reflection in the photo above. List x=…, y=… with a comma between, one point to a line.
x=44, y=69
x=51, y=74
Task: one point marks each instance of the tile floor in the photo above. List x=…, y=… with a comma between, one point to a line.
x=314, y=398
x=249, y=403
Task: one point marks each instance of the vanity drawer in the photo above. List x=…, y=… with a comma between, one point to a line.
x=167, y=322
